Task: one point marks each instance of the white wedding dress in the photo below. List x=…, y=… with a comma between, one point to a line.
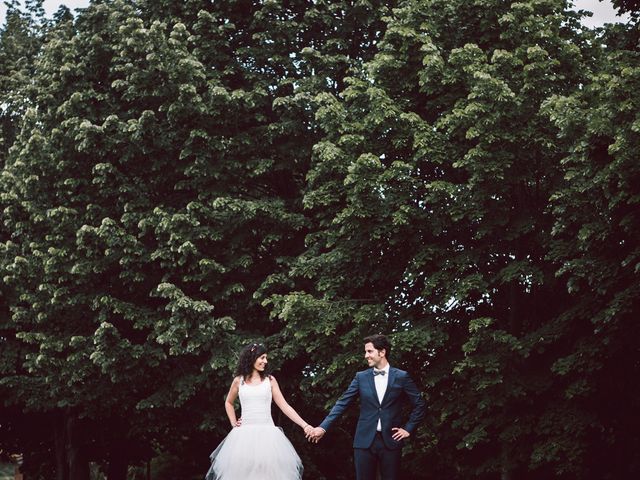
x=256, y=450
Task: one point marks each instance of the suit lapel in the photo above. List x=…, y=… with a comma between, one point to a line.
x=392, y=378
x=372, y=385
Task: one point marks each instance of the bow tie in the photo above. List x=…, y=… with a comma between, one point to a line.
x=379, y=372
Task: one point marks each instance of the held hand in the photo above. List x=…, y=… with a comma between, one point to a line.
x=309, y=433
x=399, y=434
x=315, y=434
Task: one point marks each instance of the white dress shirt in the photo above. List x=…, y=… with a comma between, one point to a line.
x=381, y=382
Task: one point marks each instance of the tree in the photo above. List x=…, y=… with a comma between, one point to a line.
x=631, y=7
x=595, y=241
x=21, y=41
x=180, y=177
x=153, y=198
x=430, y=191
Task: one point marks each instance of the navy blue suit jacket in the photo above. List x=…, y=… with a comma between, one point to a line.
x=400, y=387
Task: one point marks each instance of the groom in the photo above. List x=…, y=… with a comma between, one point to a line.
x=380, y=433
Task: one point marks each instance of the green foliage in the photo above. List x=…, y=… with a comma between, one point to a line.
x=181, y=177
x=631, y=7
x=152, y=201
x=595, y=235
x=431, y=191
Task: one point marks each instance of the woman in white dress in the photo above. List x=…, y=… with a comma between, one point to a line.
x=256, y=449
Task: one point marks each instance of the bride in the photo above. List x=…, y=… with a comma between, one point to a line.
x=256, y=449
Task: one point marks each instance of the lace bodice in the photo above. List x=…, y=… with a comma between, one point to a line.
x=255, y=403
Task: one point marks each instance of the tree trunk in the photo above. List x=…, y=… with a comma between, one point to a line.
x=507, y=470
x=118, y=463
x=76, y=452
x=60, y=442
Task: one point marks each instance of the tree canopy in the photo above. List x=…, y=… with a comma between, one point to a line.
x=179, y=178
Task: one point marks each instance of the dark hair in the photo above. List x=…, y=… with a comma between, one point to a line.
x=380, y=342
x=248, y=356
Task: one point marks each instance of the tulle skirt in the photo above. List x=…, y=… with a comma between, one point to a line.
x=255, y=452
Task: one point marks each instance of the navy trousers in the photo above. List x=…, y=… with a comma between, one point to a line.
x=377, y=457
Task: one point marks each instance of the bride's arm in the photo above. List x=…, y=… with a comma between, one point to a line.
x=231, y=398
x=287, y=409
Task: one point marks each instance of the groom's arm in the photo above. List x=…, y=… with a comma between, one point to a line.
x=419, y=405
x=341, y=405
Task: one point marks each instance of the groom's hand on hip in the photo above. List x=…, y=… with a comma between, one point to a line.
x=399, y=434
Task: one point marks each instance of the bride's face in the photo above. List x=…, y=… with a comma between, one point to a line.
x=261, y=363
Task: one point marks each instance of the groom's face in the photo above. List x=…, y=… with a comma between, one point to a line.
x=373, y=357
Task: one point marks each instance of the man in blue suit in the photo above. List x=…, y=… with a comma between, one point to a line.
x=380, y=433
